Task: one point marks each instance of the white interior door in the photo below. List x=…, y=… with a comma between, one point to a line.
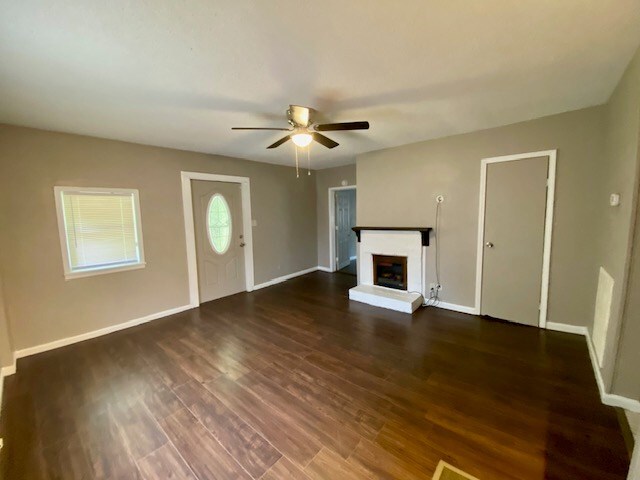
x=217, y=211
x=515, y=207
x=343, y=229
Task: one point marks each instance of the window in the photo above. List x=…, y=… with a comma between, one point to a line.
x=219, y=224
x=100, y=230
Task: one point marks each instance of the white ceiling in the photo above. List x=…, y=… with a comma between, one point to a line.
x=181, y=73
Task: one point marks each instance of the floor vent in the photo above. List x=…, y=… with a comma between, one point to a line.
x=444, y=471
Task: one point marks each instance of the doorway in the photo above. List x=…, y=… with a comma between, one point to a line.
x=342, y=219
x=514, y=237
x=217, y=215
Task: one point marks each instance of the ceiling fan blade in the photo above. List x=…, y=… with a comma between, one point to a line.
x=260, y=128
x=326, y=141
x=280, y=142
x=331, y=127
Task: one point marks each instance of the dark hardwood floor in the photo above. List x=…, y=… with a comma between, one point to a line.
x=351, y=269
x=294, y=381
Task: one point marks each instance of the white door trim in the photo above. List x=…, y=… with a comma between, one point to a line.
x=548, y=226
x=189, y=228
x=332, y=224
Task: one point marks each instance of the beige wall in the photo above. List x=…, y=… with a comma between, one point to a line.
x=330, y=177
x=397, y=187
x=43, y=307
x=620, y=175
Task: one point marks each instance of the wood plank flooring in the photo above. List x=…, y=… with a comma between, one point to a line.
x=296, y=382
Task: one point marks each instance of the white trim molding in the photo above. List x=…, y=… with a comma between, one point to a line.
x=189, y=228
x=607, y=398
x=332, y=224
x=9, y=370
x=5, y=372
x=69, y=272
x=548, y=226
x=63, y=342
x=284, y=278
x=324, y=269
x=566, y=328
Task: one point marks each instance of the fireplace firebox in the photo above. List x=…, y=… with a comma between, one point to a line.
x=390, y=271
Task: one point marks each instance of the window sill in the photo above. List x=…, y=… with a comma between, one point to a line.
x=102, y=271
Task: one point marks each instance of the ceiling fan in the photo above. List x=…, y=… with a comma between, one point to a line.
x=304, y=130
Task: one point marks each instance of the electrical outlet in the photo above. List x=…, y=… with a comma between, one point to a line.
x=435, y=287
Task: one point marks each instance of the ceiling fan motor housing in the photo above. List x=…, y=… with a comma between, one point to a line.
x=299, y=116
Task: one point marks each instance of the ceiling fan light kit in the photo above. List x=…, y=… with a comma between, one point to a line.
x=304, y=130
x=302, y=139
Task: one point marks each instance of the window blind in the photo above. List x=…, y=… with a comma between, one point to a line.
x=101, y=230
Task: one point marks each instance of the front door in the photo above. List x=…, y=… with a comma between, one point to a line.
x=217, y=210
x=515, y=206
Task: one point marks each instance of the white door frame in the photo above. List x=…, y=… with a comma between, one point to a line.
x=332, y=224
x=189, y=228
x=548, y=226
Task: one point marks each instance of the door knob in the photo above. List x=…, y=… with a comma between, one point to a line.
x=489, y=245
x=242, y=244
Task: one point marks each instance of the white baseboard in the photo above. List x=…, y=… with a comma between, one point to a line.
x=25, y=352
x=284, y=278
x=566, y=328
x=5, y=372
x=457, y=308
x=8, y=370
x=63, y=342
x=324, y=269
x=607, y=398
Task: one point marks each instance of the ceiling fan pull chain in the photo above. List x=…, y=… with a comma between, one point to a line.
x=309, y=160
x=297, y=171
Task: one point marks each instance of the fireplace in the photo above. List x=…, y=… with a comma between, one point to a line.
x=390, y=271
x=391, y=267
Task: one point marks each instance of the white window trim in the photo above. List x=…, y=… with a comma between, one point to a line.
x=69, y=274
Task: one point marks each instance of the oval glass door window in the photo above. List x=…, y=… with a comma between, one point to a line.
x=219, y=224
